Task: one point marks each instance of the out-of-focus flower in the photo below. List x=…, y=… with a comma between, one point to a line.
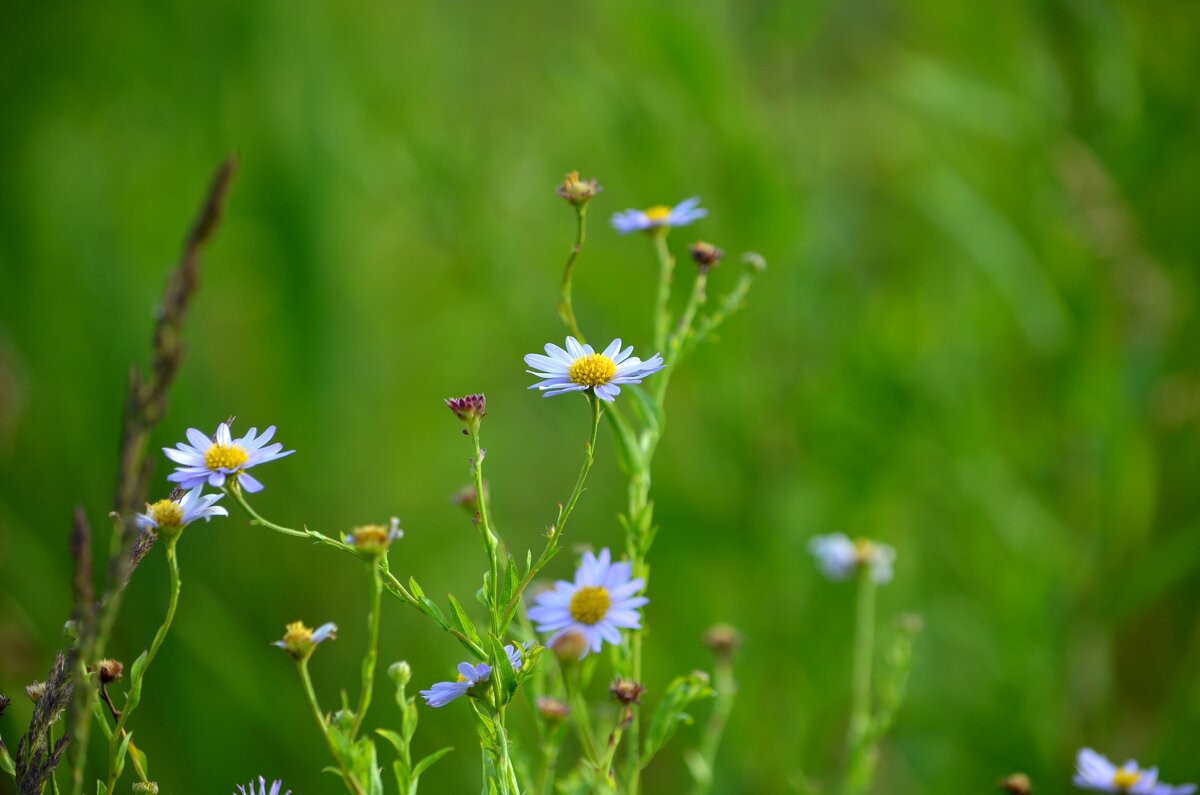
x=261, y=788
x=597, y=605
x=578, y=191
x=579, y=368
x=1095, y=772
x=205, y=460
x=839, y=557
x=705, y=255
x=145, y=788
x=552, y=709
x=168, y=517
x=724, y=640
x=1016, y=784
x=660, y=216
x=299, y=640
x=374, y=539
x=469, y=676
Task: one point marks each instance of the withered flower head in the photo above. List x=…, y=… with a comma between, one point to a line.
x=569, y=646
x=626, y=691
x=110, y=670
x=35, y=691
x=705, y=255
x=1017, y=784
x=578, y=191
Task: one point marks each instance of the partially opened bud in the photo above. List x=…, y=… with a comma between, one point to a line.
x=578, y=191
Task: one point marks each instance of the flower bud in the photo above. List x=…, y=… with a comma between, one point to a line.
x=626, y=691
x=569, y=646
x=724, y=640
x=145, y=788
x=470, y=409
x=4, y=702
x=578, y=191
x=1017, y=784
x=705, y=255
x=552, y=709
x=35, y=691
x=400, y=672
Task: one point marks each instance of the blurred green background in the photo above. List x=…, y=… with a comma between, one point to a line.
x=976, y=341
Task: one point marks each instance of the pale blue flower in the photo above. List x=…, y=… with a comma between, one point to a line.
x=206, y=460
x=579, y=368
x=1095, y=772
x=839, y=557
x=597, y=605
x=261, y=789
x=660, y=215
x=469, y=675
x=182, y=512
x=299, y=641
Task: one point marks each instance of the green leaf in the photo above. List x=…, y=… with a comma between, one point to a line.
x=502, y=668
x=122, y=748
x=393, y=738
x=101, y=789
x=429, y=608
x=414, y=588
x=629, y=453
x=648, y=409
x=6, y=763
x=428, y=761
x=512, y=578
x=681, y=693
x=462, y=621
x=139, y=756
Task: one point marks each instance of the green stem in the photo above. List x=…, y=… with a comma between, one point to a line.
x=351, y=784
x=115, y=742
x=368, y=674
x=566, y=309
x=864, y=652
x=580, y=715
x=564, y=513
x=682, y=334
x=726, y=688
x=550, y=749
x=491, y=544
x=666, y=271
x=391, y=584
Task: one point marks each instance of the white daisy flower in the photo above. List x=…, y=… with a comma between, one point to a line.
x=205, y=460
x=659, y=216
x=598, y=605
x=1094, y=772
x=838, y=556
x=178, y=514
x=579, y=368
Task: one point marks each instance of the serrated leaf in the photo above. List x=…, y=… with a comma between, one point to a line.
x=427, y=762
x=462, y=621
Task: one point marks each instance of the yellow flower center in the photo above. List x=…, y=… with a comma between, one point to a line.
x=593, y=369
x=864, y=550
x=297, y=635
x=225, y=456
x=1124, y=779
x=590, y=604
x=658, y=213
x=166, y=513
